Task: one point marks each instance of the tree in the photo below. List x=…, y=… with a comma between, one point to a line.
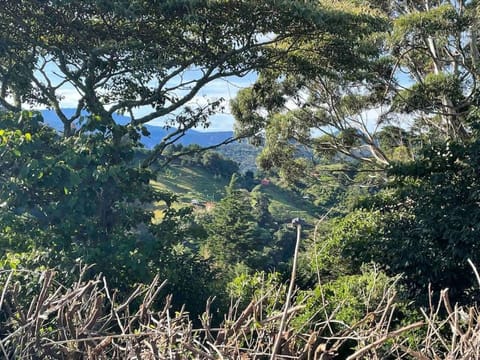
x=435, y=44
x=234, y=235
x=423, y=225
x=429, y=222
x=413, y=65
x=83, y=199
x=319, y=101
x=219, y=165
x=119, y=57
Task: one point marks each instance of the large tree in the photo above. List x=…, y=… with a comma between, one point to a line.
x=234, y=232
x=121, y=56
x=416, y=68
x=406, y=102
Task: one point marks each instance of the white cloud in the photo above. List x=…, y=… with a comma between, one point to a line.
x=220, y=122
x=70, y=97
x=226, y=89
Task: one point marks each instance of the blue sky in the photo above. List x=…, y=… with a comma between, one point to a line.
x=220, y=88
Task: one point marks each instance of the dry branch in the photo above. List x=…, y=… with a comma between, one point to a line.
x=87, y=321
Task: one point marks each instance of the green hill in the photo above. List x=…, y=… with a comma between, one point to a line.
x=243, y=153
x=194, y=183
x=286, y=205
x=191, y=183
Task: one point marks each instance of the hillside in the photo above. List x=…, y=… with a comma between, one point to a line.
x=196, y=184
x=243, y=153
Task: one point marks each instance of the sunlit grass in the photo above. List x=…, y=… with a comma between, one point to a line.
x=195, y=183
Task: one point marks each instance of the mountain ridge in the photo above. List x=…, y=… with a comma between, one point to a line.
x=157, y=133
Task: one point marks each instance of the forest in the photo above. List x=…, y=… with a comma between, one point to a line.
x=354, y=235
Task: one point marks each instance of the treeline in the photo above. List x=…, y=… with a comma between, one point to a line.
x=210, y=160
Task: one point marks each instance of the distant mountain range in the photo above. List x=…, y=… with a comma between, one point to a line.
x=157, y=133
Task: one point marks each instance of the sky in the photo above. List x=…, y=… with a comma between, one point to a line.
x=219, y=88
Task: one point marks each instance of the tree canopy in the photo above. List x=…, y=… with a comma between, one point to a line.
x=147, y=59
x=402, y=103
x=415, y=67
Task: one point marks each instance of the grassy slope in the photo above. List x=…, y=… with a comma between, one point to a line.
x=191, y=183
x=286, y=205
x=196, y=183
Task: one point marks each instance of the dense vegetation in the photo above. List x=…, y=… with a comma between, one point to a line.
x=367, y=118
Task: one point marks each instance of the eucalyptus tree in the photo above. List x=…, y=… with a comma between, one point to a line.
x=319, y=95
x=410, y=65
x=435, y=44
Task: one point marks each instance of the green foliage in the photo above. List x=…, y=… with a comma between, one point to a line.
x=398, y=143
x=362, y=301
x=419, y=215
x=66, y=200
x=322, y=87
x=243, y=234
x=441, y=20
x=418, y=62
x=243, y=154
x=426, y=41
x=348, y=299
x=425, y=225
x=429, y=94
x=218, y=165
x=259, y=286
x=279, y=151
x=337, y=252
x=234, y=232
x=324, y=69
